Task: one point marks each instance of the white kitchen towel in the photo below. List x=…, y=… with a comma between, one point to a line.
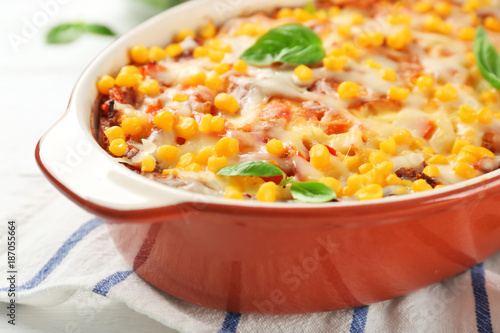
x=63, y=252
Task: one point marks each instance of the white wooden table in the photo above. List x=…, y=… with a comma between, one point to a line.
x=35, y=84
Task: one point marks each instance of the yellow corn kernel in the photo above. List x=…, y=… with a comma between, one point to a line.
x=204, y=126
x=321, y=16
x=214, y=82
x=302, y=15
x=204, y=154
x=130, y=69
x=132, y=126
x=433, y=23
x=388, y=74
x=149, y=87
x=128, y=79
x=466, y=158
x=458, y=145
x=186, y=128
x=183, y=34
x=363, y=40
x=488, y=97
x=474, y=19
x=431, y=171
x=334, y=11
x=118, y=147
x=443, y=8
x=399, y=40
x=464, y=170
x=215, y=164
x=227, y=147
x=374, y=176
x=139, y=54
x=357, y=19
x=420, y=185
x=226, y=103
x=164, y=120
x=496, y=114
x=407, y=183
x=395, y=19
x=402, y=136
x=373, y=64
x=104, y=84
x=471, y=57
x=217, y=124
x=385, y=167
x=249, y=29
x=193, y=167
x=348, y=89
x=320, y=156
x=466, y=114
x=437, y=159
x=439, y=186
x=422, y=7
x=377, y=157
x=354, y=183
x=180, y=98
x=148, y=164
x=113, y=133
x=478, y=152
x=335, y=63
x=219, y=45
x=393, y=180
x=492, y=23
x=398, y=93
x=198, y=79
x=446, y=93
x=267, y=192
x=200, y=51
x=467, y=33
x=370, y=192
x=284, y=12
x=424, y=81
x=417, y=143
x=186, y=160
x=304, y=73
x=364, y=168
x=344, y=30
x=240, y=66
x=167, y=153
x=336, y=52
x=170, y=172
x=401, y=190
x=174, y=50
x=233, y=192
x=471, y=5
x=208, y=31
x=485, y=115
x=222, y=68
x=350, y=50
x=275, y=146
x=333, y=183
x=389, y=146
x=157, y=53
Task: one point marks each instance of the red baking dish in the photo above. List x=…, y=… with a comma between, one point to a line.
x=251, y=257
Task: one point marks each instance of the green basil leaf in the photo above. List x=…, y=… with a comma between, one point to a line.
x=309, y=7
x=69, y=32
x=99, y=29
x=487, y=58
x=65, y=33
x=291, y=44
x=312, y=192
x=252, y=168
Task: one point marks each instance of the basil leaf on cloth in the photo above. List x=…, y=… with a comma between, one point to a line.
x=487, y=58
x=291, y=44
x=69, y=32
x=312, y=192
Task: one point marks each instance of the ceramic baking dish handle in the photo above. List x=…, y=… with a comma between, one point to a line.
x=71, y=158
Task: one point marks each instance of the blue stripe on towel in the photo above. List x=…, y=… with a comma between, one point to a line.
x=63, y=251
x=483, y=317
x=103, y=287
x=231, y=322
x=359, y=319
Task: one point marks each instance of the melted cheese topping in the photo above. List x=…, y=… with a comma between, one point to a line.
x=416, y=135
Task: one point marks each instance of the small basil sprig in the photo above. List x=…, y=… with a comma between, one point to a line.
x=69, y=32
x=290, y=43
x=487, y=58
x=310, y=192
